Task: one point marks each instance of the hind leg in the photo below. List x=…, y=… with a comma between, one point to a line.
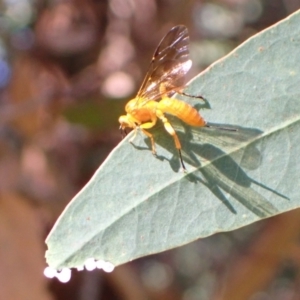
x=169, y=128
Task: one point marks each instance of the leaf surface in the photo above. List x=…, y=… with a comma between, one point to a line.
x=138, y=204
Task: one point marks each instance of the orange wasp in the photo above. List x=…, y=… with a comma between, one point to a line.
x=165, y=76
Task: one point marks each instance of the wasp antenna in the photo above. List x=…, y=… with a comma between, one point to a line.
x=181, y=161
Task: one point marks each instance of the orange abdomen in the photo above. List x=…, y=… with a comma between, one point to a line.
x=181, y=110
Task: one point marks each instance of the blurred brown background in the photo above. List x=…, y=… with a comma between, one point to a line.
x=67, y=68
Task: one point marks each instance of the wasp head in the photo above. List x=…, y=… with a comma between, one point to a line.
x=126, y=121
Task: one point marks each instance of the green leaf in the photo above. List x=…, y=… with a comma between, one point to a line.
x=138, y=204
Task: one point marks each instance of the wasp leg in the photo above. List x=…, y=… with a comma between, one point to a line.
x=172, y=132
x=134, y=135
x=148, y=134
x=191, y=96
x=162, y=89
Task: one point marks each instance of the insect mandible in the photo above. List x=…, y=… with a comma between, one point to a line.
x=169, y=64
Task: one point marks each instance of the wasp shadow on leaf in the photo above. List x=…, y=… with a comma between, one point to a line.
x=218, y=154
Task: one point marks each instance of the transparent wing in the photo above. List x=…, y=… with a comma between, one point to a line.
x=169, y=64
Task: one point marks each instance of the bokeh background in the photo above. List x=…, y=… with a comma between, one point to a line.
x=67, y=68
